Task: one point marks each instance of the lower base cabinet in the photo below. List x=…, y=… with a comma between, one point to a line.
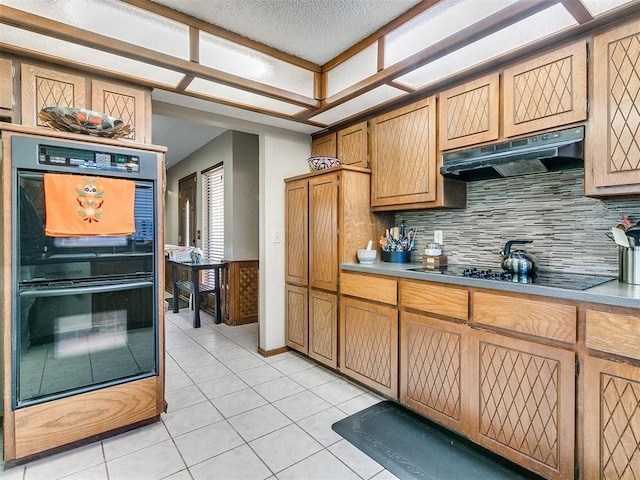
x=432, y=355
x=523, y=402
x=296, y=317
x=369, y=344
x=323, y=327
x=611, y=420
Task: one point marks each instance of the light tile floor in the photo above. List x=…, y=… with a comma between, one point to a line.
x=233, y=414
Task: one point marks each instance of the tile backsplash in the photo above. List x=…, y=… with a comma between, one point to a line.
x=567, y=228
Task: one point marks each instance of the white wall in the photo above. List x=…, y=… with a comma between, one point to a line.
x=281, y=156
x=218, y=150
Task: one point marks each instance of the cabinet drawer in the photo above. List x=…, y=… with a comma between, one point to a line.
x=534, y=317
x=613, y=333
x=438, y=299
x=378, y=289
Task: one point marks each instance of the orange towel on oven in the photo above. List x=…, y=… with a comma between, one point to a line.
x=82, y=205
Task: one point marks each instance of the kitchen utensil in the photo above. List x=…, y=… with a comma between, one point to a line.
x=626, y=221
x=518, y=262
x=620, y=237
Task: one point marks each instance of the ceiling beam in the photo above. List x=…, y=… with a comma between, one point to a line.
x=51, y=28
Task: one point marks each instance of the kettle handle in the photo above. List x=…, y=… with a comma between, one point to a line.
x=507, y=247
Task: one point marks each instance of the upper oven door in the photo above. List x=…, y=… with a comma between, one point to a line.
x=41, y=257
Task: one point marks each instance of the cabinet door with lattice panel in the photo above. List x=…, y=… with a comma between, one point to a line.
x=352, y=145
x=132, y=105
x=403, y=156
x=324, y=146
x=522, y=402
x=6, y=83
x=296, y=317
x=369, y=344
x=433, y=374
x=45, y=87
x=546, y=92
x=323, y=327
x=323, y=232
x=297, y=231
x=611, y=419
x=470, y=113
x=613, y=152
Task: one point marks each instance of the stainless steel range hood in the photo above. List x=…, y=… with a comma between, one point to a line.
x=547, y=152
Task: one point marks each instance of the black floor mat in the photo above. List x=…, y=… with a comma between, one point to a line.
x=412, y=447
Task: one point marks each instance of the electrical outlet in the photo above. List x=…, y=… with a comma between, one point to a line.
x=437, y=237
x=277, y=236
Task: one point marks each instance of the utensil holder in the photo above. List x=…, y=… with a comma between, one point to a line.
x=396, y=257
x=629, y=265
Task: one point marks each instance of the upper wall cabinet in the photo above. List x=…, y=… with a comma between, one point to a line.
x=324, y=146
x=405, y=163
x=352, y=145
x=470, y=113
x=547, y=91
x=6, y=84
x=348, y=144
x=612, y=160
x=131, y=105
x=44, y=87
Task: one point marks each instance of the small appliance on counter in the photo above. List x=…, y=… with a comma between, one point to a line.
x=397, y=243
x=433, y=257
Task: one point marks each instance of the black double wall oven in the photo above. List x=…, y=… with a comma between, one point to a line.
x=84, y=306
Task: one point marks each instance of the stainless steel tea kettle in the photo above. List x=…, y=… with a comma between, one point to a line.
x=518, y=262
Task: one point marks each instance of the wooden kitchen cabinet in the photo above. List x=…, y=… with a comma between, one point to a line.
x=433, y=368
x=296, y=317
x=328, y=219
x=323, y=327
x=470, y=113
x=45, y=87
x=522, y=398
x=6, y=84
x=324, y=146
x=369, y=344
x=405, y=163
x=352, y=145
x=612, y=157
x=611, y=419
x=547, y=91
x=132, y=105
x=611, y=395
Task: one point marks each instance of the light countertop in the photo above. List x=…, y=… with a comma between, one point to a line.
x=613, y=292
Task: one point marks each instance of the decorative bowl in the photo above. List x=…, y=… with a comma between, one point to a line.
x=320, y=163
x=81, y=120
x=367, y=257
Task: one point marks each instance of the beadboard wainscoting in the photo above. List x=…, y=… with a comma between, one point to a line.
x=567, y=229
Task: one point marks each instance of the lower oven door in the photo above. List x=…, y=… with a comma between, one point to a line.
x=69, y=339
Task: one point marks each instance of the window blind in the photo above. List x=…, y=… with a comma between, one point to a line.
x=213, y=191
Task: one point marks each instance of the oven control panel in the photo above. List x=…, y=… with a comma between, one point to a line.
x=95, y=160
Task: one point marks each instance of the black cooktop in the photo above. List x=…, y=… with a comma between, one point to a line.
x=569, y=281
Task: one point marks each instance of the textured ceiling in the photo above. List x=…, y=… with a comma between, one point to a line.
x=315, y=30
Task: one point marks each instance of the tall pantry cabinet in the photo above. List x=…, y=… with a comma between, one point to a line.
x=328, y=219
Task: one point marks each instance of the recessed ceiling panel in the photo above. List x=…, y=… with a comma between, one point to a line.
x=114, y=19
x=445, y=18
x=365, y=101
x=237, y=96
x=215, y=52
x=536, y=27
x=598, y=7
x=353, y=70
x=107, y=62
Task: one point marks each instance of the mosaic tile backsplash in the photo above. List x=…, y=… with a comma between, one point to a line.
x=567, y=229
